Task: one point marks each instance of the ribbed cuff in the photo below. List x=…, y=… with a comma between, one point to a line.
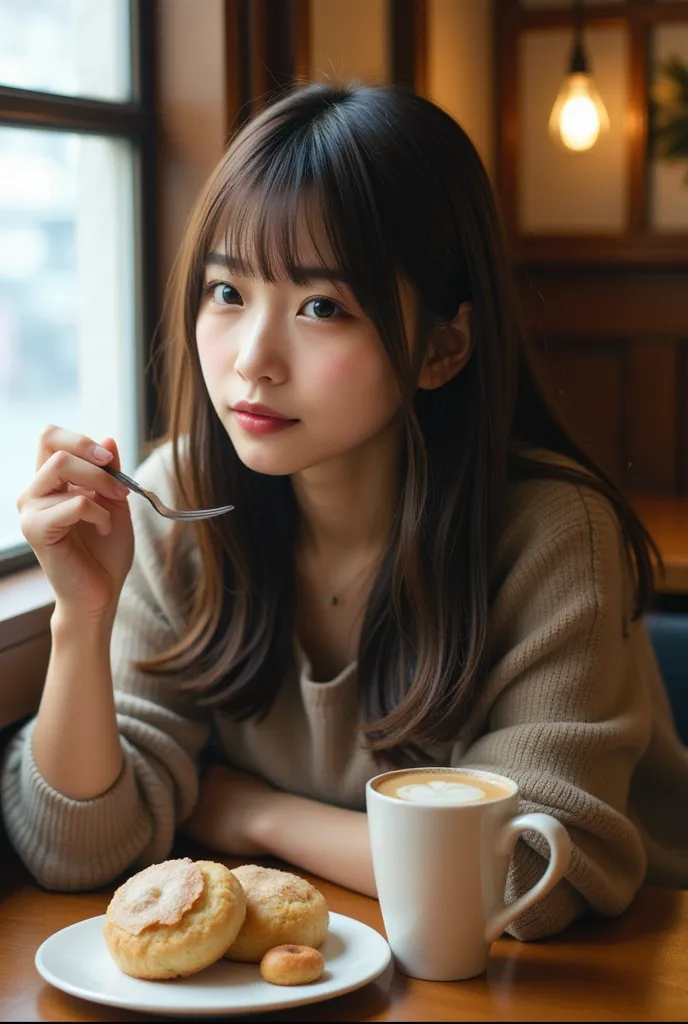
x=552, y=914
x=67, y=844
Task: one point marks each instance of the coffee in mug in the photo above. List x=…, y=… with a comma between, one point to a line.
x=442, y=786
x=441, y=840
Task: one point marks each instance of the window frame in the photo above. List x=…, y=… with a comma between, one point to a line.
x=134, y=121
x=638, y=245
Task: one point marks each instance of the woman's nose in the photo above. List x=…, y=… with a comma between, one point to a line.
x=260, y=356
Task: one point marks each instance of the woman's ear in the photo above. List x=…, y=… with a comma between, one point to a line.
x=449, y=350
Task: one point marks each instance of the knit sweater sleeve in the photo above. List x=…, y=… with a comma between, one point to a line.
x=76, y=845
x=564, y=712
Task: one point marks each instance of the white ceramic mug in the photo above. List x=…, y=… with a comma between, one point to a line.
x=441, y=871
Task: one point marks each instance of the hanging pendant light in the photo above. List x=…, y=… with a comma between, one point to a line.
x=578, y=116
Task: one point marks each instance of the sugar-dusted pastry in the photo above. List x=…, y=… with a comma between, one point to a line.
x=173, y=919
x=292, y=965
x=281, y=909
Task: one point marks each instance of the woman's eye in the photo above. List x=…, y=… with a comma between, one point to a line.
x=322, y=309
x=224, y=294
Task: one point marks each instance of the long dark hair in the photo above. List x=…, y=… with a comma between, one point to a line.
x=402, y=194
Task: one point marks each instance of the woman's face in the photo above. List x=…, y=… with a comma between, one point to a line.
x=305, y=351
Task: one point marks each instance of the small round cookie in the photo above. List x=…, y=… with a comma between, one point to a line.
x=173, y=919
x=281, y=909
x=292, y=965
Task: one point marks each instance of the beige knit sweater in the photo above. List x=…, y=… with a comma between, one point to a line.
x=572, y=708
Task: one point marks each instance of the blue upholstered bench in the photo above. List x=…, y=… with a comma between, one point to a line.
x=669, y=635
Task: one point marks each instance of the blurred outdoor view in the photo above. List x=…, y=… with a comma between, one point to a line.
x=68, y=351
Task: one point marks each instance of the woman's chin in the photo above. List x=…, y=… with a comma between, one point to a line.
x=268, y=463
x=266, y=467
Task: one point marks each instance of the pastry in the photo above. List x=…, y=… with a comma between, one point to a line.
x=292, y=965
x=281, y=909
x=173, y=919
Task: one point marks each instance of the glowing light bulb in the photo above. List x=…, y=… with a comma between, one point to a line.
x=578, y=116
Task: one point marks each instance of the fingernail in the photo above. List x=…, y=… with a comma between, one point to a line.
x=121, y=491
x=101, y=454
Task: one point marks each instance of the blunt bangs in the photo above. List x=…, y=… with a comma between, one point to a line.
x=301, y=180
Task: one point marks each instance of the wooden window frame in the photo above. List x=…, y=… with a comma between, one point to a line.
x=638, y=244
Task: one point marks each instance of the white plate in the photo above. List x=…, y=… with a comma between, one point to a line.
x=77, y=961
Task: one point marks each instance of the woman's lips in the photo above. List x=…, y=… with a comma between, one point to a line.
x=255, y=424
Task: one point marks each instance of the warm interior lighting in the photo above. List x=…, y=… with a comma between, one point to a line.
x=578, y=116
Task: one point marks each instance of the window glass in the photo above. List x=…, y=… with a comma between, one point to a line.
x=67, y=310
x=72, y=47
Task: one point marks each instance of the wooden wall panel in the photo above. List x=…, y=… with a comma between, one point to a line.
x=589, y=381
x=651, y=414
x=682, y=443
x=580, y=316
x=625, y=401
x=600, y=301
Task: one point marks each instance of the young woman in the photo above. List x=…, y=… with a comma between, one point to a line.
x=421, y=567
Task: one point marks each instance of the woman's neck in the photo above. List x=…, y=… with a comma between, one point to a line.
x=348, y=504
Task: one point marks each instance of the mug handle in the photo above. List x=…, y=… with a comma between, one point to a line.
x=560, y=856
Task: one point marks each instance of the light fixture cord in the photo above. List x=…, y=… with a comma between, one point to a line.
x=579, y=62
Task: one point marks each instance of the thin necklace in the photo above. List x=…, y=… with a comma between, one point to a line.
x=336, y=599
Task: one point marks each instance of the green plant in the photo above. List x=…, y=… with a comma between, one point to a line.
x=669, y=111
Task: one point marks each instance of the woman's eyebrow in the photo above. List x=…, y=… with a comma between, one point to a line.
x=302, y=275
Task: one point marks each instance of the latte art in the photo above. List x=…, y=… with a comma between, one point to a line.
x=443, y=787
x=440, y=793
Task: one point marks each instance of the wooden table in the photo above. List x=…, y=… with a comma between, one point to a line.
x=667, y=520
x=631, y=968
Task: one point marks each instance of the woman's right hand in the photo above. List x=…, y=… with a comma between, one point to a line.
x=77, y=520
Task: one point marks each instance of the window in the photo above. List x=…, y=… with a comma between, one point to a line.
x=76, y=232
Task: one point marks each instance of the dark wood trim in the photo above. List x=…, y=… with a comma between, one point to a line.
x=626, y=370
x=20, y=556
x=244, y=57
x=613, y=300
x=272, y=49
x=237, y=64
x=599, y=17
x=605, y=15
x=408, y=33
x=20, y=107
x=267, y=43
x=24, y=665
x=682, y=439
x=144, y=13
x=261, y=26
x=637, y=137
x=505, y=14
x=651, y=250
x=280, y=44
x=301, y=37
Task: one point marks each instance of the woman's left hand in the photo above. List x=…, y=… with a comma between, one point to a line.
x=231, y=805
